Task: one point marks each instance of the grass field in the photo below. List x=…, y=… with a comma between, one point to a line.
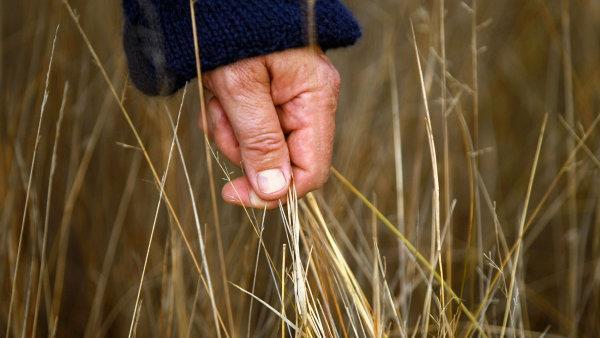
x=464, y=198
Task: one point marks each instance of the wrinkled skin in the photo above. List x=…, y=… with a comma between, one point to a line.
x=274, y=115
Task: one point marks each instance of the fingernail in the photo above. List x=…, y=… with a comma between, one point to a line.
x=271, y=181
x=255, y=201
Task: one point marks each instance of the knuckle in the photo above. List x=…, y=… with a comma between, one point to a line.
x=330, y=88
x=331, y=75
x=263, y=145
x=241, y=78
x=232, y=81
x=335, y=80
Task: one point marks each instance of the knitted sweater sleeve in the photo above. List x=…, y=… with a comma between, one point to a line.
x=159, y=42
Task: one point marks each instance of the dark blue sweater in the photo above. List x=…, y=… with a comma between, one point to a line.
x=159, y=43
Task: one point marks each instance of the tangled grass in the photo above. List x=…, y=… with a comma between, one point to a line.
x=464, y=198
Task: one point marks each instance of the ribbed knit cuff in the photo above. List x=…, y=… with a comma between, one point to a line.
x=159, y=45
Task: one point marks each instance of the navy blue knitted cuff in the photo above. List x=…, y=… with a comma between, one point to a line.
x=159, y=41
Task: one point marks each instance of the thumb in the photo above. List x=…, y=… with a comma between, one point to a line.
x=244, y=92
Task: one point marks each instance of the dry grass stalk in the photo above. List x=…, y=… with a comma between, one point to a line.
x=349, y=276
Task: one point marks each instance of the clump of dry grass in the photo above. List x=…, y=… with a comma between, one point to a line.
x=474, y=210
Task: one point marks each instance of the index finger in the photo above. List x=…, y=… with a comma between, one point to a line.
x=243, y=89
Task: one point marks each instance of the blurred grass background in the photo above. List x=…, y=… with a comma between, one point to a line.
x=508, y=64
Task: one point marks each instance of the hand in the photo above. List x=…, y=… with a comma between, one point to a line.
x=274, y=115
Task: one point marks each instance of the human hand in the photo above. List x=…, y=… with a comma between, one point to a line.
x=275, y=116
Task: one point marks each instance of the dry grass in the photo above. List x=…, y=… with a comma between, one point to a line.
x=464, y=198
